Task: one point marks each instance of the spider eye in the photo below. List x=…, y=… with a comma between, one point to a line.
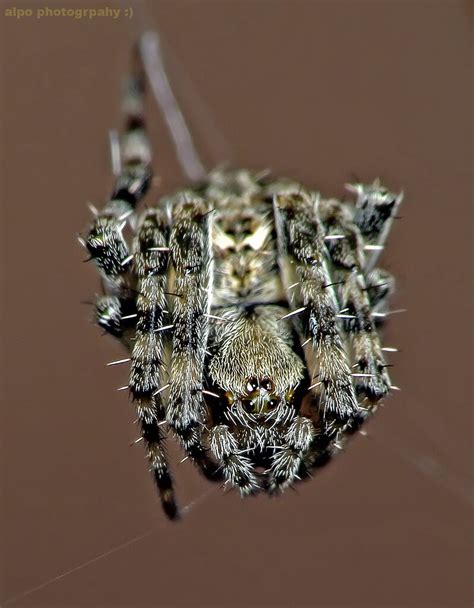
x=252, y=385
x=247, y=405
x=267, y=384
x=273, y=402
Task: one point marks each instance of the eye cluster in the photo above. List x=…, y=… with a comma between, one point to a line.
x=261, y=396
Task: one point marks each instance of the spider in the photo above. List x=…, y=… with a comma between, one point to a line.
x=249, y=307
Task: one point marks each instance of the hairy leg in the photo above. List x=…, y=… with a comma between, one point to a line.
x=310, y=291
x=375, y=209
x=371, y=378
x=237, y=468
x=289, y=460
x=192, y=264
x=150, y=266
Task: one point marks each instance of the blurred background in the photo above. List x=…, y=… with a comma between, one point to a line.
x=320, y=91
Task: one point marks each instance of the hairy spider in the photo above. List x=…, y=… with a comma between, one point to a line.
x=249, y=306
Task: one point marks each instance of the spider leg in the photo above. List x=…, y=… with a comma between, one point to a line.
x=192, y=262
x=135, y=320
x=375, y=209
x=237, y=469
x=108, y=248
x=371, y=378
x=108, y=313
x=302, y=262
x=310, y=289
x=288, y=463
x=150, y=265
x=117, y=317
x=105, y=241
x=380, y=286
x=354, y=246
x=131, y=157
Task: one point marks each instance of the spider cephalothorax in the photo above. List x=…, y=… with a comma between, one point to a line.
x=248, y=306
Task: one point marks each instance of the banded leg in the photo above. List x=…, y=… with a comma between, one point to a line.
x=108, y=313
x=347, y=259
x=117, y=317
x=288, y=463
x=150, y=265
x=310, y=291
x=105, y=241
x=375, y=208
x=108, y=248
x=237, y=468
x=380, y=286
x=191, y=256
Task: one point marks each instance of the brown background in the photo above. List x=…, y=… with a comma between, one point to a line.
x=315, y=90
